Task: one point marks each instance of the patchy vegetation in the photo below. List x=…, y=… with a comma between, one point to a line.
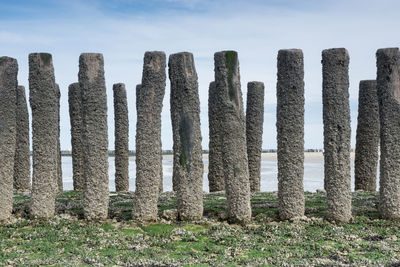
x=309, y=241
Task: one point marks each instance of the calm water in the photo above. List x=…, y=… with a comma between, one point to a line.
x=313, y=173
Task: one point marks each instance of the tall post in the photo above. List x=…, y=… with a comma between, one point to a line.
x=121, y=129
x=75, y=115
x=216, y=180
x=290, y=133
x=43, y=102
x=336, y=117
x=388, y=87
x=8, y=125
x=185, y=117
x=59, y=163
x=234, y=153
x=254, y=131
x=95, y=138
x=22, y=162
x=367, y=138
x=149, y=98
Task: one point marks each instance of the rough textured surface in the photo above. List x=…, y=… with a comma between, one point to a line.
x=216, y=180
x=185, y=117
x=149, y=98
x=254, y=131
x=59, y=163
x=8, y=127
x=121, y=138
x=336, y=116
x=75, y=115
x=388, y=88
x=367, y=138
x=290, y=133
x=236, y=172
x=95, y=138
x=43, y=102
x=161, y=185
x=22, y=162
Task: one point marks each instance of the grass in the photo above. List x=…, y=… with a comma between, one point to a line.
x=67, y=240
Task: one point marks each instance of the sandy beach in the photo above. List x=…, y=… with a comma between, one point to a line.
x=313, y=172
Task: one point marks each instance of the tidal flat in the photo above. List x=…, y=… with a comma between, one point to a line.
x=69, y=240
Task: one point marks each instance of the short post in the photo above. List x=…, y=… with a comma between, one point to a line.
x=121, y=142
x=254, y=131
x=22, y=162
x=75, y=115
x=216, y=181
x=59, y=162
x=367, y=138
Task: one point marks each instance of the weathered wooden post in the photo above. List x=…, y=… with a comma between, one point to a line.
x=234, y=152
x=22, y=162
x=367, y=138
x=290, y=133
x=185, y=117
x=216, y=178
x=43, y=102
x=8, y=127
x=59, y=163
x=75, y=115
x=336, y=117
x=95, y=135
x=149, y=98
x=121, y=138
x=388, y=87
x=254, y=131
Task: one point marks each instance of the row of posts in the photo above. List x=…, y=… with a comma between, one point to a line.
x=235, y=139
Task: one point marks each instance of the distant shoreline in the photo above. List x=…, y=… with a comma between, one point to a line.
x=170, y=152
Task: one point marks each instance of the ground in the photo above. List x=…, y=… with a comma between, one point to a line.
x=68, y=240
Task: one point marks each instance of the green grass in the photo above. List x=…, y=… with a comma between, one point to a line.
x=63, y=241
x=158, y=229
x=69, y=194
x=20, y=197
x=124, y=204
x=168, y=204
x=131, y=231
x=194, y=228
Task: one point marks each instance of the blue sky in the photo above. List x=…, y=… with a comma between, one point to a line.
x=124, y=29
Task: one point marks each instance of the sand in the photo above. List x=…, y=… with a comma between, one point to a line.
x=313, y=172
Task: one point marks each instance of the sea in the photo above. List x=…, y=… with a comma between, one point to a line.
x=313, y=172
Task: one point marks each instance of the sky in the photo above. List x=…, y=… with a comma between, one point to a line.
x=123, y=30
